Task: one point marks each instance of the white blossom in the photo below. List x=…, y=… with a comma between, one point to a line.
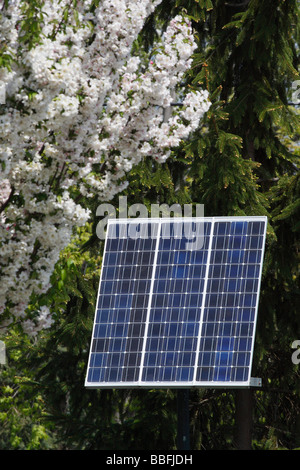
x=76, y=101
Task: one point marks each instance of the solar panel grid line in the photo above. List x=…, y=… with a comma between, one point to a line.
x=228, y=283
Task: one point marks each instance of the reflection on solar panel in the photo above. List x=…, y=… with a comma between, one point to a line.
x=177, y=303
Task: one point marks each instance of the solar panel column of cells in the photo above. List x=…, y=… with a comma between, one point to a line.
x=176, y=302
x=122, y=303
x=228, y=321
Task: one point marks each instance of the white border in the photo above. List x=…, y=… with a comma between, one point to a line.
x=171, y=384
x=179, y=384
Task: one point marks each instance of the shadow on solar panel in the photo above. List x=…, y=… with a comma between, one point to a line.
x=177, y=303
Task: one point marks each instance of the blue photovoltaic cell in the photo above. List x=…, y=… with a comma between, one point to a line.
x=177, y=302
x=122, y=305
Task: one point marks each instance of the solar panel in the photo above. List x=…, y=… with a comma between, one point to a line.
x=177, y=303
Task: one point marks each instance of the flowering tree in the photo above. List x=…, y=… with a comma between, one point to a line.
x=80, y=111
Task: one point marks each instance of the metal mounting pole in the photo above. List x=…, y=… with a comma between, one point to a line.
x=243, y=419
x=243, y=415
x=183, y=419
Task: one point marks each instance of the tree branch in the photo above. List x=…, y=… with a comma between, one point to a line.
x=3, y=206
x=237, y=5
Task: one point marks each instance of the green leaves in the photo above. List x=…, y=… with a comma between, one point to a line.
x=226, y=139
x=31, y=23
x=22, y=426
x=5, y=59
